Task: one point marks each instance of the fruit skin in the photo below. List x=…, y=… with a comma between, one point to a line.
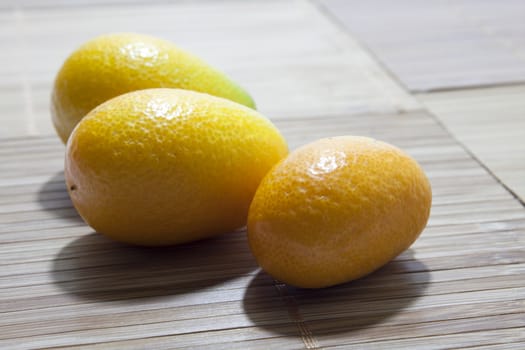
x=113, y=64
x=336, y=210
x=167, y=166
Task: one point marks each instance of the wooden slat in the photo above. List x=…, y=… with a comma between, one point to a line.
x=462, y=340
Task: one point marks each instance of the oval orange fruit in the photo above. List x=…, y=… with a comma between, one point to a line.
x=336, y=210
x=113, y=64
x=166, y=166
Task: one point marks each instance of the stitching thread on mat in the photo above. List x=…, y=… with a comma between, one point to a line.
x=292, y=307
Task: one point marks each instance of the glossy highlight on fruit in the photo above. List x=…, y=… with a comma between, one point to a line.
x=166, y=166
x=113, y=64
x=336, y=210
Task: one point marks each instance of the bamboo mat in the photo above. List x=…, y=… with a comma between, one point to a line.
x=491, y=122
x=436, y=45
x=461, y=285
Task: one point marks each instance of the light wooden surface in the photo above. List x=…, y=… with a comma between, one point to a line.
x=461, y=285
x=436, y=45
x=491, y=122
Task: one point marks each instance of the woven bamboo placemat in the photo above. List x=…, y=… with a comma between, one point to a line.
x=461, y=284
